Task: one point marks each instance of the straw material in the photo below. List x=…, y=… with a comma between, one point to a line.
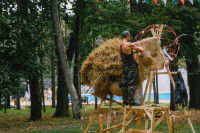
x=103, y=67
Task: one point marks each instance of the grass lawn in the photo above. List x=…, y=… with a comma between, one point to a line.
x=17, y=121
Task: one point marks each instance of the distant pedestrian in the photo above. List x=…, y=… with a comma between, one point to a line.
x=26, y=97
x=49, y=92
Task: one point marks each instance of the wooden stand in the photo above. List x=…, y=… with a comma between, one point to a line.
x=98, y=111
x=147, y=111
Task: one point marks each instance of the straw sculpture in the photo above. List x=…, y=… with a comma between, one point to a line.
x=103, y=67
x=152, y=57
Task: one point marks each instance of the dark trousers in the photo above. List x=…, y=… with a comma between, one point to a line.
x=130, y=81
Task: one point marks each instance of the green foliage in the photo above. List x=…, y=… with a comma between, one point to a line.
x=25, y=37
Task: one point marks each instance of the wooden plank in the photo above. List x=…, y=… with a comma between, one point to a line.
x=129, y=113
x=124, y=121
x=170, y=76
x=140, y=131
x=150, y=87
x=153, y=121
x=140, y=119
x=148, y=114
x=172, y=119
x=159, y=120
x=146, y=124
x=113, y=127
x=168, y=121
x=132, y=120
x=157, y=73
x=145, y=92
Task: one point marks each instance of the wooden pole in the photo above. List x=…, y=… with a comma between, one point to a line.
x=124, y=121
x=150, y=87
x=109, y=116
x=101, y=123
x=189, y=121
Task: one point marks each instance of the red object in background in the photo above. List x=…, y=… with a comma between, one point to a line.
x=183, y=2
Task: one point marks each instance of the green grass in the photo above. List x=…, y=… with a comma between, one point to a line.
x=17, y=121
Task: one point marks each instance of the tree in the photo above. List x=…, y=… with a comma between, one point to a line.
x=79, y=18
x=64, y=61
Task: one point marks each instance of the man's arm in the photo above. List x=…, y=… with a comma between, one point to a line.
x=133, y=46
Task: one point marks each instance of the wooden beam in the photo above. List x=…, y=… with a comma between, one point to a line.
x=146, y=88
x=150, y=87
x=101, y=123
x=113, y=127
x=156, y=73
x=189, y=121
x=109, y=116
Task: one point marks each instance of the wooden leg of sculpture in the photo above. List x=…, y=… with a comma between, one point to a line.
x=184, y=110
x=150, y=78
x=101, y=123
x=189, y=121
x=141, y=112
x=146, y=88
x=109, y=116
x=93, y=116
x=152, y=118
x=124, y=121
x=172, y=119
x=150, y=87
x=168, y=121
x=146, y=124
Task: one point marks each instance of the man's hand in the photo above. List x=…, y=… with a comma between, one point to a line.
x=140, y=49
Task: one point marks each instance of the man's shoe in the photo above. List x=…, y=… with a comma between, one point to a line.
x=125, y=103
x=134, y=104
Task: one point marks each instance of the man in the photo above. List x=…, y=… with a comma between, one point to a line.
x=130, y=78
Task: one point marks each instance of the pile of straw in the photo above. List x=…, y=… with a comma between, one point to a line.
x=103, y=67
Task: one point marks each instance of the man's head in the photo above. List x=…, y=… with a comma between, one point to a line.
x=125, y=34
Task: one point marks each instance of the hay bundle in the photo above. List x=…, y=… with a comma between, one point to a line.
x=103, y=69
x=152, y=57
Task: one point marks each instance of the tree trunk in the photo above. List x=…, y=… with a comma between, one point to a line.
x=42, y=89
x=77, y=57
x=62, y=108
x=53, y=78
x=71, y=48
x=194, y=82
x=173, y=67
x=64, y=62
x=8, y=101
x=36, y=113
